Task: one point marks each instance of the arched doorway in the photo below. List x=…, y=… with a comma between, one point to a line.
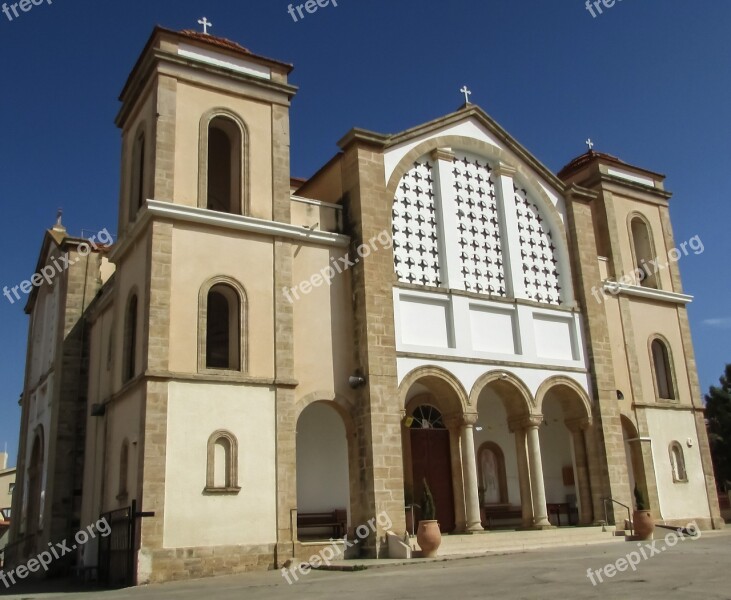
x=35, y=489
x=323, y=481
x=431, y=462
x=566, y=410
x=635, y=463
x=503, y=406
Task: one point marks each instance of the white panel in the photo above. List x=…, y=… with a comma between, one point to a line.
x=554, y=337
x=631, y=177
x=424, y=322
x=222, y=60
x=492, y=330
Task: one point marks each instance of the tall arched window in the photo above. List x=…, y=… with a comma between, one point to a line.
x=129, y=365
x=662, y=369
x=643, y=251
x=677, y=463
x=222, y=174
x=222, y=469
x=223, y=328
x=222, y=325
x=123, y=470
x=137, y=189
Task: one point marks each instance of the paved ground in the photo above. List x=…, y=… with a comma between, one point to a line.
x=692, y=569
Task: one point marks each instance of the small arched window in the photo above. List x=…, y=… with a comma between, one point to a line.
x=677, y=463
x=222, y=470
x=492, y=474
x=137, y=195
x=129, y=365
x=643, y=251
x=224, y=166
x=123, y=470
x=223, y=329
x=662, y=369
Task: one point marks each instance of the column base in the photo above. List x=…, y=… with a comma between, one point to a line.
x=542, y=524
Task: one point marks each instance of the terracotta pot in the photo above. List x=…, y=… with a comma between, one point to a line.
x=429, y=538
x=644, y=524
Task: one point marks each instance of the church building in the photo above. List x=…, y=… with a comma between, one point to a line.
x=261, y=361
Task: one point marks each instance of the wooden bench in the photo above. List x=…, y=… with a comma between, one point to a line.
x=336, y=520
x=496, y=512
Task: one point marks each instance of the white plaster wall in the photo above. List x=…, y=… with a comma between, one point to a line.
x=195, y=411
x=677, y=500
x=322, y=460
x=459, y=326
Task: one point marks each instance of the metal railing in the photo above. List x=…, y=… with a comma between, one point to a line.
x=629, y=513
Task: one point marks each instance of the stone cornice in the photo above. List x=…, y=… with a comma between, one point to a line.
x=616, y=288
x=155, y=209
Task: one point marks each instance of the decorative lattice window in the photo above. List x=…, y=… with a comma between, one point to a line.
x=478, y=224
x=537, y=252
x=415, y=229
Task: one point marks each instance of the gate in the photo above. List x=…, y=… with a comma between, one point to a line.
x=117, y=550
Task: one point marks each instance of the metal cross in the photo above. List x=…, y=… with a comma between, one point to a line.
x=206, y=24
x=465, y=90
x=590, y=144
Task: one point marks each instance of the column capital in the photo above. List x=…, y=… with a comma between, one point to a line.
x=504, y=169
x=445, y=154
x=576, y=425
x=469, y=419
x=524, y=422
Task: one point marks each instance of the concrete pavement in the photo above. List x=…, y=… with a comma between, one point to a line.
x=694, y=568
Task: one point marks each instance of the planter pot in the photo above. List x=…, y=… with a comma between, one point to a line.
x=644, y=524
x=429, y=538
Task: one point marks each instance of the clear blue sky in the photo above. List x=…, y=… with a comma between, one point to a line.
x=649, y=81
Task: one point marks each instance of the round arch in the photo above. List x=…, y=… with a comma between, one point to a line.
x=508, y=386
x=448, y=393
x=573, y=398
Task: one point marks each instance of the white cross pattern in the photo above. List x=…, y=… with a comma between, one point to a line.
x=206, y=24
x=467, y=93
x=590, y=144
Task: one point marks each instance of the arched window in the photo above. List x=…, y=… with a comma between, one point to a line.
x=223, y=164
x=137, y=182
x=426, y=417
x=223, y=329
x=677, y=463
x=222, y=470
x=129, y=365
x=492, y=475
x=123, y=470
x=662, y=369
x=643, y=251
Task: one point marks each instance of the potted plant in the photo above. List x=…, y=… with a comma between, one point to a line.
x=642, y=518
x=429, y=537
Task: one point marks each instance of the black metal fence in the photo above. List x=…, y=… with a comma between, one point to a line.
x=117, y=550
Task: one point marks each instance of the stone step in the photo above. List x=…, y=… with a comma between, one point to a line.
x=503, y=541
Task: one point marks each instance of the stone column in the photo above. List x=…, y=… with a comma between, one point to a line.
x=454, y=425
x=526, y=500
x=583, y=485
x=538, y=489
x=469, y=472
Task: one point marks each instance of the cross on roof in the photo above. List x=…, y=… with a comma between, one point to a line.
x=467, y=93
x=590, y=144
x=206, y=24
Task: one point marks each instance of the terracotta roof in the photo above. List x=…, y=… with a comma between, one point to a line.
x=581, y=161
x=213, y=40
